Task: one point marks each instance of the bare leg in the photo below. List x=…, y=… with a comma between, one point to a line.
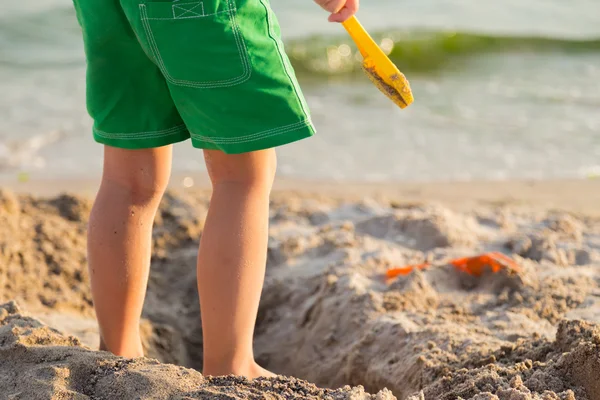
x=232, y=258
x=119, y=242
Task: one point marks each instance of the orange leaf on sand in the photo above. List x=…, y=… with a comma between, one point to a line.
x=395, y=272
x=476, y=265
x=471, y=265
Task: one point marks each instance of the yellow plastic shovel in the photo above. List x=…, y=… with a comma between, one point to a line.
x=378, y=67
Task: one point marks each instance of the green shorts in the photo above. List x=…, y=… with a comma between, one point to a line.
x=160, y=72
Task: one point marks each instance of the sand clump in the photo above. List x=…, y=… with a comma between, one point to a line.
x=42, y=251
x=43, y=246
x=423, y=228
x=43, y=265
x=39, y=362
x=533, y=369
x=328, y=314
x=332, y=304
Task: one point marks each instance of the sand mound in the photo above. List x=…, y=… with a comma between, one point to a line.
x=43, y=265
x=533, y=369
x=40, y=363
x=42, y=251
x=42, y=246
x=423, y=228
x=327, y=299
x=328, y=315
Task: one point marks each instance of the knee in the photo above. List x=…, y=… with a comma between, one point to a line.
x=254, y=169
x=139, y=187
x=138, y=176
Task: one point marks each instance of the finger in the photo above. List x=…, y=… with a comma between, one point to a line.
x=342, y=15
x=333, y=6
x=349, y=9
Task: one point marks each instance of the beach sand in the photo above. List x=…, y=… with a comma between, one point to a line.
x=328, y=315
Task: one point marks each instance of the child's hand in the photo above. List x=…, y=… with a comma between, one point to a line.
x=340, y=10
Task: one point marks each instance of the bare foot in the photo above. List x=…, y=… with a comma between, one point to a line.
x=134, y=351
x=251, y=372
x=259, y=372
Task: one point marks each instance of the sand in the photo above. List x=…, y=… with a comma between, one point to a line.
x=328, y=315
x=39, y=362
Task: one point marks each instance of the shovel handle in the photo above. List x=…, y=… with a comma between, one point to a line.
x=365, y=43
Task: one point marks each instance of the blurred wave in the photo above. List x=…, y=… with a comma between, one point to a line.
x=23, y=153
x=50, y=38
x=422, y=51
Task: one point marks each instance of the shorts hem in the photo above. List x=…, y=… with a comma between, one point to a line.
x=142, y=140
x=255, y=142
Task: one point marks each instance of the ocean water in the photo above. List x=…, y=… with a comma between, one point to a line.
x=503, y=89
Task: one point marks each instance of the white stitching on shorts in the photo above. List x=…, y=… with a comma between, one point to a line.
x=254, y=136
x=259, y=134
x=289, y=70
x=142, y=135
x=196, y=17
x=242, y=50
x=212, y=84
x=246, y=140
x=183, y=11
x=204, y=14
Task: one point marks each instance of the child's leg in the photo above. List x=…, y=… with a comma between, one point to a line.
x=232, y=258
x=119, y=242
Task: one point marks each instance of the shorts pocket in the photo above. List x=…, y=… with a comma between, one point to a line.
x=196, y=44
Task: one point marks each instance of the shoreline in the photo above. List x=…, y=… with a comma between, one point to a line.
x=579, y=196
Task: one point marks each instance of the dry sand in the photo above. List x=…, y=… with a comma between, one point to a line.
x=327, y=314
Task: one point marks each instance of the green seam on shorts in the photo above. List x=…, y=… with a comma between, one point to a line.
x=284, y=59
x=254, y=136
x=141, y=135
